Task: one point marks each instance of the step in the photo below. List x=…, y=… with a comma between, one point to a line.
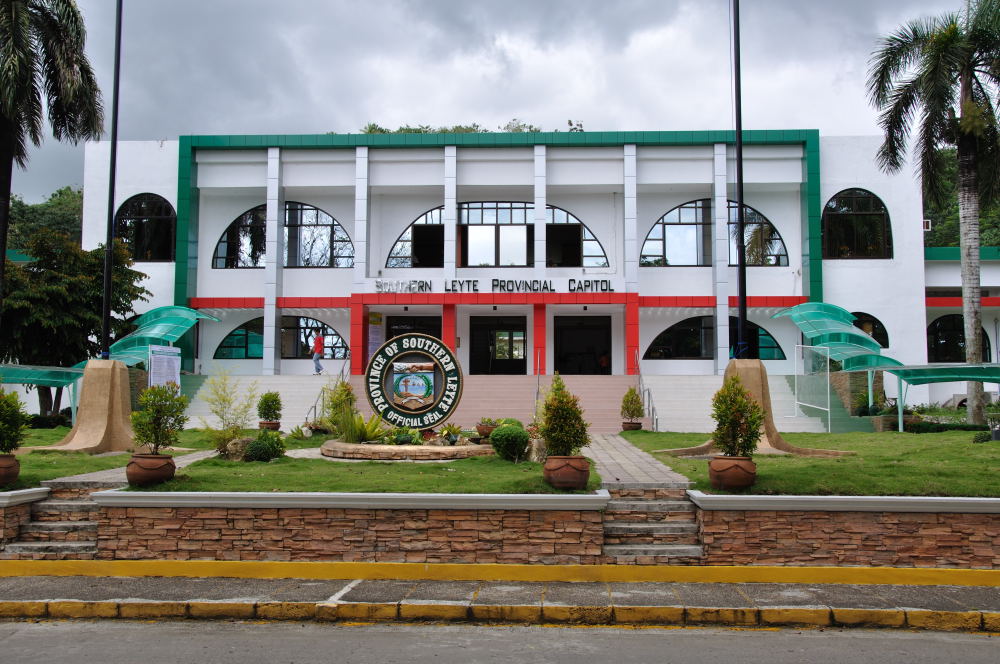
x=650, y=506
x=58, y=531
x=64, y=510
x=625, y=528
x=56, y=548
x=660, y=550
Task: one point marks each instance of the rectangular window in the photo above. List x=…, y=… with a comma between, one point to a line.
x=481, y=246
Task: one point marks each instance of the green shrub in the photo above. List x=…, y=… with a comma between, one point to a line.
x=352, y=427
x=738, y=418
x=511, y=420
x=335, y=400
x=488, y=421
x=563, y=428
x=982, y=437
x=937, y=427
x=13, y=421
x=632, y=405
x=267, y=446
x=231, y=409
x=161, y=416
x=269, y=407
x=510, y=442
x=405, y=436
x=47, y=421
x=297, y=433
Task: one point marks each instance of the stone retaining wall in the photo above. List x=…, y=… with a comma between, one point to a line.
x=340, y=450
x=827, y=538
x=12, y=517
x=371, y=535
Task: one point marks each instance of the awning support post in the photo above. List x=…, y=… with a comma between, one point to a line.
x=871, y=389
x=899, y=402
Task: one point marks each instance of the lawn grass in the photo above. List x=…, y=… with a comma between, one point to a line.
x=885, y=464
x=43, y=437
x=39, y=465
x=475, y=475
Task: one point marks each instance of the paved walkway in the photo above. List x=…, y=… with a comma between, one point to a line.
x=749, y=604
x=623, y=465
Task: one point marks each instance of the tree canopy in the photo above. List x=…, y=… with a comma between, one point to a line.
x=62, y=213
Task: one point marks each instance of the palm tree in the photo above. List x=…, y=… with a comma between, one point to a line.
x=941, y=75
x=41, y=54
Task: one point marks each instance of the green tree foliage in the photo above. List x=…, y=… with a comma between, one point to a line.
x=54, y=303
x=510, y=442
x=160, y=417
x=13, y=421
x=268, y=445
x=738, y=419
x=515, y=126
x=563, y=428
x=943, y=213
x=62, y=213
x=632, y=409
x=45, y=71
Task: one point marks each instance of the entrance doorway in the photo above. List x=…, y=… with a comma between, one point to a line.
x=582, y=344
x=498, y=345
x=397, y=325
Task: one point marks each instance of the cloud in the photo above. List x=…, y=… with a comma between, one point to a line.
x=311, y=66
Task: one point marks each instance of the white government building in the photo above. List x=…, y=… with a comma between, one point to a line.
x=585, y=253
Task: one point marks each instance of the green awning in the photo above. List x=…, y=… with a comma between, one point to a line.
x=24, y=374
x=831, y=327
x=945, y=373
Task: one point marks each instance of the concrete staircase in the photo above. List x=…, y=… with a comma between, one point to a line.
x=651, y=526
x=61, y=526
x=684, y=403
x=482, y=396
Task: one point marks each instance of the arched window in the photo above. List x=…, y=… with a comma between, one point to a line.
x=312, y=239
x=421, y=244
x=246, y=342
x=498, y=234
x=693, y=339
x=147, y=223
x=871, y=326
x=856, y=225
x=946, y=340
x=683, y=236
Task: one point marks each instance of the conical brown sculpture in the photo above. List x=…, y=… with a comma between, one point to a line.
x=753, y=375
x=103, y=421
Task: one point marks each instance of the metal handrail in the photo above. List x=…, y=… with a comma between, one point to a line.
x=320, y=402
x=646, y=394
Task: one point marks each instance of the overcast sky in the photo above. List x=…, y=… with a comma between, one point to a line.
x=314, y=66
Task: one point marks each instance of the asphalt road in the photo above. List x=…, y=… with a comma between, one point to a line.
x=153, y=642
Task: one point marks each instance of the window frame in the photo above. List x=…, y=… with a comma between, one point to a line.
x=335, y=347
x=127, y=223
x=831, y=212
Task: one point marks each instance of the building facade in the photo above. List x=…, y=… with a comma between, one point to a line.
x=582, y=253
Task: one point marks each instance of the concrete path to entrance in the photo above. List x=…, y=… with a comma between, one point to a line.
x=744, y=604
x=622, y=465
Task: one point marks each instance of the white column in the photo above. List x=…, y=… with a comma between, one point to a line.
x=274, y=258
x=720, y=256
x=360, y=235
x=541, y=211
x=449, y=216
x=631, y=215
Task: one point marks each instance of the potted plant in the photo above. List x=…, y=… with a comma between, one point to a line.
x=632, y=410
x=451, y=433
x=564, y=433
x=269, y=411
x=13, y=421
x=738, y=419
x=486, y=426
x=156, y=425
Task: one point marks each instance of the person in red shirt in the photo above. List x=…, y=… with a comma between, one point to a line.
x=317, y=349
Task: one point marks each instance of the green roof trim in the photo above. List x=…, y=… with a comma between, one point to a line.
x=954, y=253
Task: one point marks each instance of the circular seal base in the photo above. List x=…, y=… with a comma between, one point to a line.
x=341, y=450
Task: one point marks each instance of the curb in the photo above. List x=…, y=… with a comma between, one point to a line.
x=912, y=576
x=944, y=621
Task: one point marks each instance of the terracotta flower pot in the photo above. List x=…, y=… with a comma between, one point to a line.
x=631, y=426
x=10, y=468
x=484, y=430
x=269, y=424
x=567, y=472
x=730, y=472
x=147, y=469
